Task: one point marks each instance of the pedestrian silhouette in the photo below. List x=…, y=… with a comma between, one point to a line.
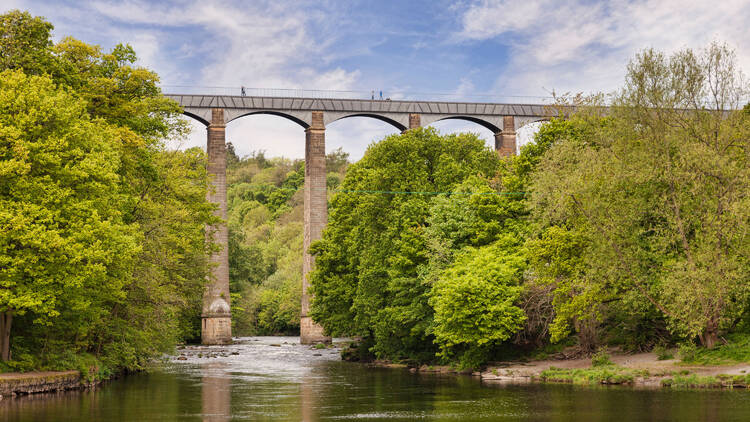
x=381, y=95
x=242, y=91
x=372, y=93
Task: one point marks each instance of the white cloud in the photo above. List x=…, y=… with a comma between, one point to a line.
x=11, y=5
x=257, y=44
x=584, y=46
x=252, y=44
x=491, y=18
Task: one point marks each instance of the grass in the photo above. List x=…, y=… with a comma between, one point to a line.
x=736, y=350
x=707, y=381
x=663, y=352
x=609, y=374
x=613, y=374
x=691, y=381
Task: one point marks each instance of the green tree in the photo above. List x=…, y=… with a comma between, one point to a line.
x=63, y=241
x=658, y=188
x=367, y=279
x=25, y=43
x=475, y=300
x=158, y=195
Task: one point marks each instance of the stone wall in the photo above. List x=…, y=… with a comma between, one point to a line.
x=38, y=382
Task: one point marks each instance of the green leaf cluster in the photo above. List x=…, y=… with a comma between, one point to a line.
x=388, y=262
x=647, y=205
x=265, y=208
x=102, y=246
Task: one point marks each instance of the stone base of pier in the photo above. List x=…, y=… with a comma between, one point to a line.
x=216, y=330
x=310, y=332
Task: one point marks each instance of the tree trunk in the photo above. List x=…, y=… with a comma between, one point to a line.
x=710, y=336
x=6, y=318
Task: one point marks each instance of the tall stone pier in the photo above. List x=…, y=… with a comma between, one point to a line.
x=415, y=121
x=505, y=140
x=315, y=216
x=216, y=325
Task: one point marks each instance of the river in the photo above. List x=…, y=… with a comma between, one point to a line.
x=276, y=379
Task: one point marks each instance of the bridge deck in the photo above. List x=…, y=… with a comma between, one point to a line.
x=393, y=111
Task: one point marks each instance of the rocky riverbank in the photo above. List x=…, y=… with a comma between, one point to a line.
x=643, y=369
x=640, y=369
x=14, y=383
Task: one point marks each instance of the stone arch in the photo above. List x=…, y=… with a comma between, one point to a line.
x=300, y=118
x=383, y=118
x=524, y=121
x=494, y=128
x=197, y=117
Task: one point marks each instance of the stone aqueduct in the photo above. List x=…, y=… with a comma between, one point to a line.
x=313, y=114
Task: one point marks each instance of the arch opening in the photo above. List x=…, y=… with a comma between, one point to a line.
x=273, y=113
x=274, y=135
x=353, y=136
x=485, y=124
x=391, y=122
x=448, y=126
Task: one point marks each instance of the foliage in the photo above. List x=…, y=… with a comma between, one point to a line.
x=601, y=358
x=103, y=226
x=64, y=243
x=597, y=375
x=475, y=298
x=692, y=381
x=735, y=350
x=381, y=253
x=687, y=351
x=265, y=240
x=657, y=190
x=663, y=352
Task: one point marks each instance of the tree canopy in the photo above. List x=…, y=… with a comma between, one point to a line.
x=656, y=191
x=102, y=226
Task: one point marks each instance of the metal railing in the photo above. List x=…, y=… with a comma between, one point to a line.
x=353, y=94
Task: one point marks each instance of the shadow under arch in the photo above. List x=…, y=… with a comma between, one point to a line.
x=196, y=117
x=487, y=125
x=382, y=118
x=273, y=113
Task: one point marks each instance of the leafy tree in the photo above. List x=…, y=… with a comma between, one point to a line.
x=154, y=298
x=63, y=241
x=25, y=43
x=658, y=190
x=475, y=300
x=367, y=280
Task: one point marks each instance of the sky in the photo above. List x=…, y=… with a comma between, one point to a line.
x=489, y=50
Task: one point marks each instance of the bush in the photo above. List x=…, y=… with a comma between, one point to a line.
x=601, y=358
x=688, y=351
x=663, y=352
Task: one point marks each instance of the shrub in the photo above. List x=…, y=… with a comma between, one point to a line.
x=663, y=352
x=601, y=358
x=688, y=351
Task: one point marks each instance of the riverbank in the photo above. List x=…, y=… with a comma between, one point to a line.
x=17, y=383
x=641, y=369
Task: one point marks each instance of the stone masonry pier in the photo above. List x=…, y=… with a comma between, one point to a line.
x=313, y=114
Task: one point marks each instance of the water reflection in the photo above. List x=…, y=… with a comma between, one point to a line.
x=216, y=392
x=308, y=395
x=276, y=379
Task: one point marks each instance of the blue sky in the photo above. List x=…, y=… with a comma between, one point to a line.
x=514, y=51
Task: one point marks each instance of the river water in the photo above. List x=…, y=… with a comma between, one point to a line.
x=276, y=379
